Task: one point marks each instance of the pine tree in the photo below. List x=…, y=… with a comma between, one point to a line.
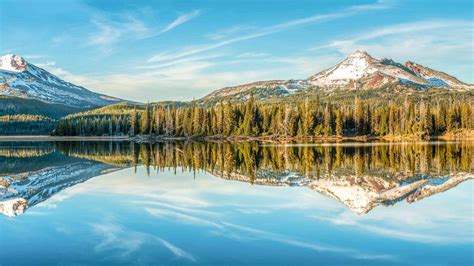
x=197, y=122
x=145, y=129
x=339, y=123
x=328, y=120
x=229, y=118
x=359, y=116
x=307, y=118
x=134, y=122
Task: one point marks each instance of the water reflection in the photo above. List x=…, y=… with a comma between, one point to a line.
x=361, y=176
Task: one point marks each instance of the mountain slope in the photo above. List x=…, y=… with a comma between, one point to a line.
x=22, y=79
x=359, y=71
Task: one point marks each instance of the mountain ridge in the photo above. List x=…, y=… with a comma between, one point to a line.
x=359, y=71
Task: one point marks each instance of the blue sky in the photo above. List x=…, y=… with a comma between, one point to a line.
x=179, y=50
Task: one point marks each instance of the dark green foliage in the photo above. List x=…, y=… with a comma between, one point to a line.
x=25, y=125
x=306, y=120
x=14, y=105
x=146, y=120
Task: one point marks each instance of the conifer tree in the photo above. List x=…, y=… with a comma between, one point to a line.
x=146, y=120
x=134, y=122
x=339, y=123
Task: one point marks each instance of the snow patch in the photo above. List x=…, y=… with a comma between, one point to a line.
x=13, y=63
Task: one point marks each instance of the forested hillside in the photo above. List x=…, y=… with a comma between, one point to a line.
x=14, y=106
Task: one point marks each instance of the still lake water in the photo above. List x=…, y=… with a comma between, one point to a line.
x=109, y=203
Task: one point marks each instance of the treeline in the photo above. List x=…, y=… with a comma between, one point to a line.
x=26, y=124
x=96, y=125
x=305, y=120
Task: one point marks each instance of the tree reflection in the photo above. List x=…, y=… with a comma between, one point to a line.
x=251, y=158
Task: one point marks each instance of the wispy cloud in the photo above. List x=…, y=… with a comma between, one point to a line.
x=50, y=66
x=127, y=241
x=228, y=32
x=263, y=31
x=262, y=234
x=116, y=238
x=186, y=218
x=34, y=56
x=404, y=28
x=404, y=226
x=180, y=20
x=252, y=55
x=176, y=251
x=181, y=61
x=111, y=29
x=106, y=33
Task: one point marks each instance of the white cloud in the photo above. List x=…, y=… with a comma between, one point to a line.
x=252, y=55
x=430, y=226
x=185, y=218
x=106, y=34
x=128, y=26
x=51, y=67
x=176, y=251
x=412, y=27
x=180, y=20
x=34, y=56
x=228, y=32
x=115, y=237
x=262, y=234
x=127, y=241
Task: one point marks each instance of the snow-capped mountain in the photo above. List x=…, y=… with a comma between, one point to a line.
x=22, y=191
x=359, y=71
x=22, y=79
x=363, y=193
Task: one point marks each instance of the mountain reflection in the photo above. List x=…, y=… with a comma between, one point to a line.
x=361, y=176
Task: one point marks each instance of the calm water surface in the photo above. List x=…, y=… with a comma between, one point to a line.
x=90, y=203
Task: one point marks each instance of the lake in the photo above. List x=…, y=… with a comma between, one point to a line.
x=204, y=203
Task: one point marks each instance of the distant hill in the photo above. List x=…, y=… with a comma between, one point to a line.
x=124, y=108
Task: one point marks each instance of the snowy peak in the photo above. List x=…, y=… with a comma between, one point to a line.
x=355, y=66
x=13, y=63
x=360, y=56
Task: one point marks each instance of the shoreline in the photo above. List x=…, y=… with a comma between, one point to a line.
x=266, y=139
x=68, y=138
